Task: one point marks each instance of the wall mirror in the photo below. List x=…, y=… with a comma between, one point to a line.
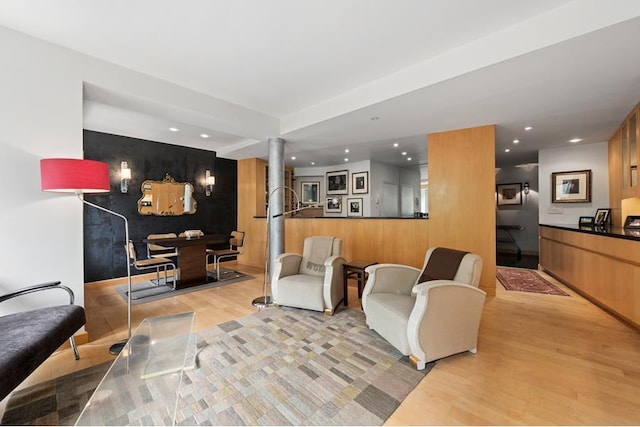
x=166, y=198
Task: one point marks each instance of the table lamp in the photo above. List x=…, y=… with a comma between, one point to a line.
x=81, y=176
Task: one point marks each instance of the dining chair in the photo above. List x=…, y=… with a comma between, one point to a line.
x=157, y=251
x=149, y=263
x=236, y=247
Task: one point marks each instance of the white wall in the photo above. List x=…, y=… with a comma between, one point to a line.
x=41, y=109
x=580, y=157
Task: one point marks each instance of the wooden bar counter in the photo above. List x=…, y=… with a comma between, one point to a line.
x=603, y=265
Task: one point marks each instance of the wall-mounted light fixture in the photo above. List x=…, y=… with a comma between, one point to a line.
x=526, y=188
x=209, y=182
x=125, y=177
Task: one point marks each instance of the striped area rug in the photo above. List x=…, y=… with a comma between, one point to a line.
x=285, y=366
x=280, y=366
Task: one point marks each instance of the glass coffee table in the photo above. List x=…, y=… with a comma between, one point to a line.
x=142, y=385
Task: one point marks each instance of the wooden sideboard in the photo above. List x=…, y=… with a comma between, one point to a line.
x=603, y=266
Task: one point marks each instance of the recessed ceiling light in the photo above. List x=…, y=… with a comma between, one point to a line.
x=313, y=163
x=395, y=144
x=515, y=141
x=173, y=129
x=293, y=157
x=346, y=150
x=528, y=128
x=575, y=140
x=404, y=153
x=506, y=150
x=346, y=160
x=409, y=159
x=204, y=135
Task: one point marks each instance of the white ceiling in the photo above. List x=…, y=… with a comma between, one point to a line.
x=325, y=68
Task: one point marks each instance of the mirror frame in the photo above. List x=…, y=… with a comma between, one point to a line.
x=168, y=185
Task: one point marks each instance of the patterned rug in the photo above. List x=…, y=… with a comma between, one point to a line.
x=55, y=402
x=280, y=366
x=522, y=280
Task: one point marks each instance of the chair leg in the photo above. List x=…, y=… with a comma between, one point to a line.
x=419, y=364
x=74, y=347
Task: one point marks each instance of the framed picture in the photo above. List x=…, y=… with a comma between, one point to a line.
x=571, y=187
x=585, y=221
x=333, y=204
x=337, y=182
x=632, y=221
x=360, y=183
x=354, y=207
x=310, y=192
x=509, y=194
x=601, y=217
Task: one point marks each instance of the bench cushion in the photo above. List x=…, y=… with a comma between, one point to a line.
x=29, y=338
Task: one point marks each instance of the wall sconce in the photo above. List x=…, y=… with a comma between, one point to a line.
x=125, y=177
x=209, y=182
x=526, y=188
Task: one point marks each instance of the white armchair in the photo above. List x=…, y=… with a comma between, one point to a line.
x=429, y=320
x=312, y=280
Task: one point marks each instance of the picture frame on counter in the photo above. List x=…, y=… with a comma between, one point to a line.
x=585, y=221
x=602, y=216
x=632, y=222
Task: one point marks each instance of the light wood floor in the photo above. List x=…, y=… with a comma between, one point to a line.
x=542, y=359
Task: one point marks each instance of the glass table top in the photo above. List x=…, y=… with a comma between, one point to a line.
x=142, y=385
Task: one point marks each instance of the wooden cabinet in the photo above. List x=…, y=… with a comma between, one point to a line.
x=604, y=269
x=624, y=156
x=288, y=195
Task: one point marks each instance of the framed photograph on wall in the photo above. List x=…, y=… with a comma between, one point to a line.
x=360, y=182
x=337, y=182
x=602, y=216
x=509, y=194
x=354, y=207
x=310, y=192
x=333, y=204
x=571, y=187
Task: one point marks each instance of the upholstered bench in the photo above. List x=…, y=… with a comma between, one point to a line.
x=30, y=337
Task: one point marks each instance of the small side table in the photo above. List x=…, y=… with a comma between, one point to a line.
x=355, y=269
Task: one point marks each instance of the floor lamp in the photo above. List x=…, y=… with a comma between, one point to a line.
x=267, y=300
x=81, y=176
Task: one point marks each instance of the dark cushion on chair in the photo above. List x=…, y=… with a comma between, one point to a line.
x=30, y=337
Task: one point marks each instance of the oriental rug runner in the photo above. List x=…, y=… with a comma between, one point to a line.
x=523, y=280
x=282, y=366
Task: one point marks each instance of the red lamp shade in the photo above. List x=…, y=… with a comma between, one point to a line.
x=74, y=175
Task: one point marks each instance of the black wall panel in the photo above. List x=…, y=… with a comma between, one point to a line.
x=104, y=236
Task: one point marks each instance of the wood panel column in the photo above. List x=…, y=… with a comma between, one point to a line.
x=462, y=200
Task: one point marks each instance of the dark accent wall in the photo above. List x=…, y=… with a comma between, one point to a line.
x=104, y=236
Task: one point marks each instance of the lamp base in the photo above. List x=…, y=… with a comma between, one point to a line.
x=263, y=302
x=116, y=348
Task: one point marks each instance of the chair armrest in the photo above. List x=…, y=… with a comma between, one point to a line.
x=37, y=288
x=390, y=278
x=445, y=319
x=333, y=286
x=423, y=288
x=286, y=264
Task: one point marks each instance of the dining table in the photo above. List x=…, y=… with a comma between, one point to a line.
x=192, y=256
